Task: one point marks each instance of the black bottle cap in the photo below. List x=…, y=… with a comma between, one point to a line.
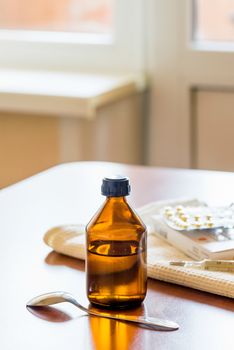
x=115, y=186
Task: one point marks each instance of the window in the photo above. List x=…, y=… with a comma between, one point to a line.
x=213, y=21
x=90, y=16
x=84, y=35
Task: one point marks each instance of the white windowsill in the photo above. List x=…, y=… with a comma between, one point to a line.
x=67, y=94
x=66, y=38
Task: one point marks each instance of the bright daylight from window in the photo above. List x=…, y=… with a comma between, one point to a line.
x=213, y=20
x=88, y=16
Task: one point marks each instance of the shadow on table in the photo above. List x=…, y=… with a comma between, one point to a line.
x=54, y=258
x=49, y=313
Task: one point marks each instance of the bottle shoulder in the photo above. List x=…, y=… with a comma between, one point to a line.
x=116, y=216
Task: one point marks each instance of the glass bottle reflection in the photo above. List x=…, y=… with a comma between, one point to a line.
x=109, y=334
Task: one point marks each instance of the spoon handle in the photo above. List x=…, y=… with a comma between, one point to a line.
x=149, y=322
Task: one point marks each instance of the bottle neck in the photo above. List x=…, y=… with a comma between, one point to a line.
x=116, y=199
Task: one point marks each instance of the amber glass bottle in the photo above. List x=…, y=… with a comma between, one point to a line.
x=116, y=250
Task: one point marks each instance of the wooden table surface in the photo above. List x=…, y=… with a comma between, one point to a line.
x=70, y=193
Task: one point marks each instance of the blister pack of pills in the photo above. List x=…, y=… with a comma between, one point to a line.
x=182, y=218
x=200, y=231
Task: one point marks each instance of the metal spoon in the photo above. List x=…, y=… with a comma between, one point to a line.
x=60, y=297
